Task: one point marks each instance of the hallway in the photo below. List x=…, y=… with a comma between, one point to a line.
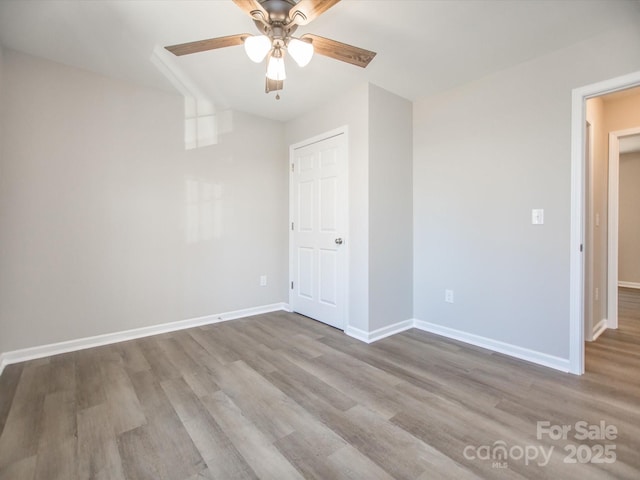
x=623, y=342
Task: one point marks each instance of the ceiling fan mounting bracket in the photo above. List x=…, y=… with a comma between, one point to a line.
x=278, y=10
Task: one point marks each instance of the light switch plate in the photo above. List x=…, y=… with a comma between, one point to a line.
x=537, y=216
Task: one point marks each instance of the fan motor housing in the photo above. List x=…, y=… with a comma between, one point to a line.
x=278, y=9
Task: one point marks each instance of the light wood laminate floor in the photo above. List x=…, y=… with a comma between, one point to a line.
x=280, y=396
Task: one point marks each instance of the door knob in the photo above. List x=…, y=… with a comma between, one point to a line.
x=338, y=241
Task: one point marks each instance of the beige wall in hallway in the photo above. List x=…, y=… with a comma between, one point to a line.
x=622, y=112
x=629, y=211
x=596, y=219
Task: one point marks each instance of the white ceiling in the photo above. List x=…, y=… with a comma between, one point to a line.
x=423, y=46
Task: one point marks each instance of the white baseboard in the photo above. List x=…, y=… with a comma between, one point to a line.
x=629, y=284
x=599, y=327
x=532, y=356
x=32, y=353
x=380, y=333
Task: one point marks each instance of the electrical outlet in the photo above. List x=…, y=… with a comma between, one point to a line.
x=263, y=280
x=448, y=296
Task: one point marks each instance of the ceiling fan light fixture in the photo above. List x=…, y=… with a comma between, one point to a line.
x=300, y=51
x=275, y=68
x=277, y=20
x=257, y=47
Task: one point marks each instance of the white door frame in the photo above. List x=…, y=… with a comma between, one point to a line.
x=614, y=202
x=577, y=236
x=343, y=130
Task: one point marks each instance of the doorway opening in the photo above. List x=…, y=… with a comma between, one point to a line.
x=593, y=285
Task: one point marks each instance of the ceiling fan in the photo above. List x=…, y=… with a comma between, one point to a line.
x=277, y=20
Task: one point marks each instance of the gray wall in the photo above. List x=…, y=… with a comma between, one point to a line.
x=629, y=219
x=485, y=154
x=390, y=209
x=109, y=224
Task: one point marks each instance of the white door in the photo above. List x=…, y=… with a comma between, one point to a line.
x=318, y=250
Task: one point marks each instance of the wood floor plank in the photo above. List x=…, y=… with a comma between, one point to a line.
x=160, y=449
x=21, y=432
x=63, y=373
x=98, y=455
x=89, y=380
x=349, y=464
x=139, y=459
x=201, y=382
x=379, y=397
x=58, y=461
x=132, y=357
x=8, y=386
x=215, y=447
x=152, y=398
x=124, y=407
x=256, y=447
x=172, y=350
x=215, y=346
x=162, y=366
x=246, y=348
x=395, y=450
x=58, y=419
x=175, y=448
x=266, y=406
x=197, y=350
x=298, y=384
x=24, y=469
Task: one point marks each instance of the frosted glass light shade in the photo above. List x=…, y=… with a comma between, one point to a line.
x=300, y=51
x=275, y=68
x=257, y=47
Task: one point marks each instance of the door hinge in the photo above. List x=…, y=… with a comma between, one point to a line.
x=291, y=285
x=292, y=226
x=580, y=247
x=293, y=167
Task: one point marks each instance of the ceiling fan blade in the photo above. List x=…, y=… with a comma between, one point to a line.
x=209, y=44
x=254, y=9
x=340, y=51
x=307, y=10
